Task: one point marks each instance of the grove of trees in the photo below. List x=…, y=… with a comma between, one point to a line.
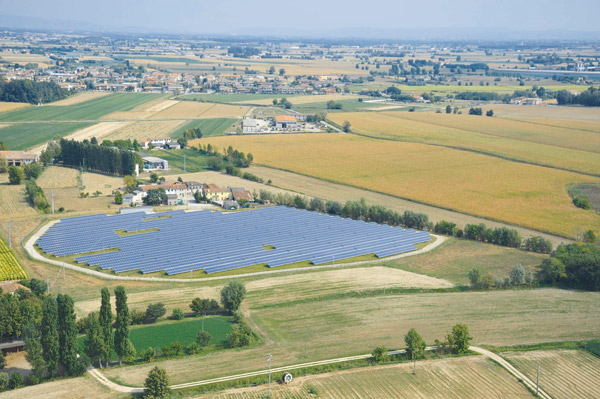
x=28, y=91
x=99, y=158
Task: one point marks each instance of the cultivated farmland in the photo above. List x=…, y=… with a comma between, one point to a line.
x=81, y=97
x=25, y=135
x=193, y=109
x=564, y=374
x=7, y=107
x=88, y=110
x=142, y=111
x=145, y=129
x=209, y=127
x=465, y=378
x=549, y=146
x=516, y=193
x=9, y=267
x=349, y=326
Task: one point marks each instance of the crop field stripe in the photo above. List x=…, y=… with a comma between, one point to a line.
x=9, y=267
x=209, y=127
x=87, y=110
x=25, y=135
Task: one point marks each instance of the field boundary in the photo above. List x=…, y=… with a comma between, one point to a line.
x=492, y=356
x=30, y=249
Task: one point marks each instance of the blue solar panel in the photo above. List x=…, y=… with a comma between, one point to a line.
x=215, y=241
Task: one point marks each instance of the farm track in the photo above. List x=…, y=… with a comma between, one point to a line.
x=492, y=356
x=30, y=249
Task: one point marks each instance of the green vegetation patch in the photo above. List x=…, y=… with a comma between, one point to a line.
x=209, y=127
x=124, y=233
x=347, y=105
x=25, y=135
x=195, y=162
x=87, y=110
x=158, y=335
x=590, y=192
x=230, y=98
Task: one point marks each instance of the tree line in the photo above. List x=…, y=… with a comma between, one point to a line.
x=99, y=158
x=588, y=98
x=576, y=265
x=28, y=91
x=360, y=210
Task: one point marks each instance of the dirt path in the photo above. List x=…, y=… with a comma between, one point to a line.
x=29, y=247
x=490, y=355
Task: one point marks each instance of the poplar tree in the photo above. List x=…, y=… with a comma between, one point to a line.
x=122, y=323
x=105, y=320
x=49, y=330
x=67, y=333
x=33, y=346
x=94, y=345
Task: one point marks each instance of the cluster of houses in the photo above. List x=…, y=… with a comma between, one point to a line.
x=281, y=123
x=526, y=101
x=182, y=193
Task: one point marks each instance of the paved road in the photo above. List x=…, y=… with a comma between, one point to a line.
x=498, y=359
x=29, y=247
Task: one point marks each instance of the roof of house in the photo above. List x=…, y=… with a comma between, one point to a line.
x=242, y=195
x=285, y=118
x=213, y=188
x=9, y=287
x=166, y=186
x=18, y=155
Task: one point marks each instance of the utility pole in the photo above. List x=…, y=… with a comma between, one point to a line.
x=52, y=202
x=537, y=384
x=269, y=360
x=48, y=286
x=9, y=242
x=305, y=343
x=184, y=164
x=82, y=167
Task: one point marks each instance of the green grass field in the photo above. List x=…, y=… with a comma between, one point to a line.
x=185, y=331
x=347, y=105
x=87, y=110
x=209, y=127
x=25, y=135
x=195, y=162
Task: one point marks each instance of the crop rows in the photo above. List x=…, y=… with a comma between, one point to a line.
x=9, y=267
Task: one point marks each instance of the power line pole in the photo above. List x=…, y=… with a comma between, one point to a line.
x=52, y=201
x=82, y=167
x=184, y=164
x=305, y=342
x=48, y=286
x=9, y=242
x=269, y=360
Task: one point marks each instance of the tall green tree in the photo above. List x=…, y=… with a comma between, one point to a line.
x=49, y=330
x=415, y=345
x=157, y=384
x=122, y=323
x=94, y=343
x=106, y=319
x=459, y=338
x=33, y=346
x=67, y=333
x=232, y=295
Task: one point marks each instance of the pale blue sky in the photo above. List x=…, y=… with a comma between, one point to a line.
x=308, y=17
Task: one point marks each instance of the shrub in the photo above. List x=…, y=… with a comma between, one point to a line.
x=155, y=311
x=2, y=360
x=137, y=317
x=517, y=275
x=33, y=379
x=380, y=354
x=203, y=338
x=157, y=384
x=582, y=203
x=193, y=349
x=178, y=314
x=3, y=381
x=16, y=380
x=148, y=354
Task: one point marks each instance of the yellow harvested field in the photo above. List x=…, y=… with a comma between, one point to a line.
x=494, y=188
x=143, y=111
x=301, y=99
x=143, y=130
x=100, y=131
x=558, y=112
x=543, y=145
x=592, y=126
x=12, y=200
x=171, y=298
x=564, y=374
x=81, y=97
x=24, y=58
x=473, y=377
x=195, y=109
x=7, y=107
x=55, y=177
x=85, y=387
x=278, y=289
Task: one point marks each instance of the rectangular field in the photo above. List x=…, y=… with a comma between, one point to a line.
x=194, y=109
x=209, y=127
x=87, y=110
x=494, y=188
x=20, y=136
x=8, y=106
x=543, y=145
x=564, y=374
x=143, y=130
x=195, y=162
x=465, y=378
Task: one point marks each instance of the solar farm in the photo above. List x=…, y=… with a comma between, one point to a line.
x=178, y=241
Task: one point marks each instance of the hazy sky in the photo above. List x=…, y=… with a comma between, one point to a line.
x=372, y=17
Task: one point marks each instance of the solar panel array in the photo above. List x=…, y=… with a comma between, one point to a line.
x=216, y=241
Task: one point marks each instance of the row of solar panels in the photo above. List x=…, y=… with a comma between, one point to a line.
x=213, y=241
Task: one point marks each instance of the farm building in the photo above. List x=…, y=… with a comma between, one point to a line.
x=215, y=193
x=239, y=194
x=156, y=143
x=254, y=125
x=155, y=163
x=9, y=287
x=18, y=158
x=285, y=122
